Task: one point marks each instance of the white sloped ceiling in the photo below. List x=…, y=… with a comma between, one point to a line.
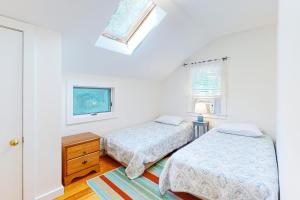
x=188, y=26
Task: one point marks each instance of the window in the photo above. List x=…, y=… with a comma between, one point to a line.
x=208, y=84
x=207, y=80
x=127, y=18
x=89, y=102
x=129, y=25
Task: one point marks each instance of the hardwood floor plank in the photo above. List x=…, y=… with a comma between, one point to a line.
x=80, y=194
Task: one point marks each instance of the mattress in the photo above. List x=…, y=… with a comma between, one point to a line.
x=223, y=166
x=146, y=143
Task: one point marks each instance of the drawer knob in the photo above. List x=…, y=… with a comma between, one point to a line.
x=84, y=162
x=84, y=152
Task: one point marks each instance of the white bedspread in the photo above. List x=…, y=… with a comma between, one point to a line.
x=225, y=167
x=146, y=143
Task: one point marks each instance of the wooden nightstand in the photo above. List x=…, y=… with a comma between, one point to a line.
x=80, y=156
x=196, y=128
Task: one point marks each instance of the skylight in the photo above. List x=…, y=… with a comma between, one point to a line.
x=127, y=18
x=129, y=25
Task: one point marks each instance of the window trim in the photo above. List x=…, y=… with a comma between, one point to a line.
x=76, y=119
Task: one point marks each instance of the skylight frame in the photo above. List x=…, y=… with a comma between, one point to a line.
x=134, y=28
x=153, y=19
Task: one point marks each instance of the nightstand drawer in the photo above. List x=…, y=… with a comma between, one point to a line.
x=78, y=164
x=80, y=156
x=82, y=149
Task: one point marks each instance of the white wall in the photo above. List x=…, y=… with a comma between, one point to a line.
x=48, y=114
x=251, y=83
x=136, y=101
x=41, y=111
x=288, y=134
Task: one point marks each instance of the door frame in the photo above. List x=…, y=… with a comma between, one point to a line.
x=29, y=93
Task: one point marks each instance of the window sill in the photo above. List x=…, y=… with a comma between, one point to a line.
x=210, y=116
x=216, y=117
x=90, y=118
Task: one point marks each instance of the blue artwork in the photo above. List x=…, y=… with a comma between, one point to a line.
x=91, y=100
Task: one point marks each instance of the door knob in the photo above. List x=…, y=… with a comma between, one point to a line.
x=14, y=142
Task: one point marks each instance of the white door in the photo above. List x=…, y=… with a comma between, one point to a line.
x=11, y=59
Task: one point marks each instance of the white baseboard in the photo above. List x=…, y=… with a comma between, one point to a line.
x=51, y=194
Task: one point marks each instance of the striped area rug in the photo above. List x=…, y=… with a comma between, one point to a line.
x=115, y=185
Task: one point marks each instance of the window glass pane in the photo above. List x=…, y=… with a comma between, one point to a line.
x=91, y=100
x=127, y=17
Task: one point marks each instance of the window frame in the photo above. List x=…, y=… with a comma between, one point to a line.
x=153, y=19
x=76, y=119
x=218, y=101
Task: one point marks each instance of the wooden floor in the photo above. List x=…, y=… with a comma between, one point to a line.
x=79, y=189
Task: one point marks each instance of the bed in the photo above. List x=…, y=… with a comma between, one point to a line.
x=139, y=147
x=223, y=166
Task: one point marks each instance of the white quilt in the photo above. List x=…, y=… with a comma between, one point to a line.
x=225, y=167
x=146, y=143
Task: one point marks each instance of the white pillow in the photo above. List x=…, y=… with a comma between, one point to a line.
x=168, y=119
x=244, y=129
